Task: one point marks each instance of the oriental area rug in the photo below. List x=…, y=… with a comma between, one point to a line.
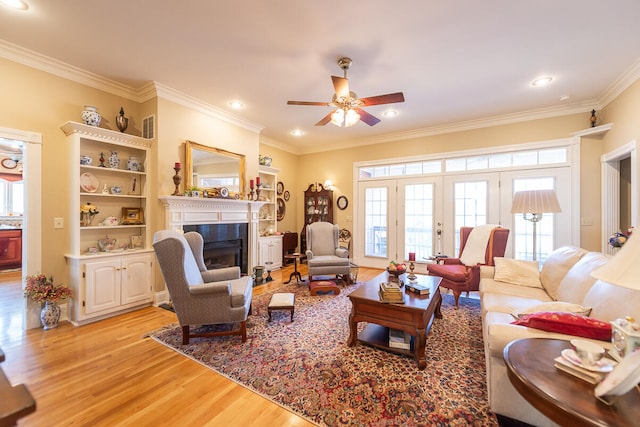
x=306, y=367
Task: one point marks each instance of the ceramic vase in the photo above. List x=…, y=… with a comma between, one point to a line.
x=121, y=121
x=90, y=115
x=133, y=164
x=114, y=160
x=50, y=315
x=85, y=219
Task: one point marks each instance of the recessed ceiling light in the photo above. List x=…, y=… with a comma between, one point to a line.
x=236, y=105
x=297, y=132
x=390, y=113
x=541, y=81
x=15, y=4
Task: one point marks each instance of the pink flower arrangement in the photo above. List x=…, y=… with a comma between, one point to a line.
x=41, y=288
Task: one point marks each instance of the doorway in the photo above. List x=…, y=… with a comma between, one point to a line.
x=31, y=143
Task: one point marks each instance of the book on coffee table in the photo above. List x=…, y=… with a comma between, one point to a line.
x=417, y=288
x=390, y=292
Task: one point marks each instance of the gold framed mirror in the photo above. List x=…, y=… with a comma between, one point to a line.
x=210, y=167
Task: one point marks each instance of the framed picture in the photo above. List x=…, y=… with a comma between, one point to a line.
x=286, y=196
x=282, y=209
x=342, y=203
x=132, y=216
x=136, y=242
x=280, y=187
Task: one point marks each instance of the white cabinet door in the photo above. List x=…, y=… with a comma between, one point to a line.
x=276, y=252
x=102, y=290
x=136, y=279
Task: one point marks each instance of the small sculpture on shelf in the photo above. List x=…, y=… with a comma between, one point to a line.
x=593, y=119
x=121, y=121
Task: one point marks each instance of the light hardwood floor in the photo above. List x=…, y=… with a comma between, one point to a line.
x=107, y=373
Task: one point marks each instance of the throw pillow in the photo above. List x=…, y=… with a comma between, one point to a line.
x=557, y=306
x=567, y=323
x=517, y=271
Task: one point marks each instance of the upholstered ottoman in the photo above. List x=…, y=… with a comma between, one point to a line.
x=323, y=286
x=281, y=301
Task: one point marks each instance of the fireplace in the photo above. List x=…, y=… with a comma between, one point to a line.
x=225, y=245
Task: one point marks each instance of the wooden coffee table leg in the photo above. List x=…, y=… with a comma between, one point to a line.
x=353, y=331
x=437, y=313
x=419, y=348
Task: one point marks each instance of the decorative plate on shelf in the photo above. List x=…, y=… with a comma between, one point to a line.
x=89, y=183
x=280, y=187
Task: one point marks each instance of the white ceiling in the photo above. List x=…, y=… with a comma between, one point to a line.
x=457, y=61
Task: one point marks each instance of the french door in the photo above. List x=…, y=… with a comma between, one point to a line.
x=424, y=214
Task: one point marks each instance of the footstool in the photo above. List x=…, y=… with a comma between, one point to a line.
x=281, y=301
x=323, y=286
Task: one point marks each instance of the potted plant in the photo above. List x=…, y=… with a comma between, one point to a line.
x=41, y=289
x=194, y=191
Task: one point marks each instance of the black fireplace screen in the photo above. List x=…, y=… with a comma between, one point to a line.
x=225, y=245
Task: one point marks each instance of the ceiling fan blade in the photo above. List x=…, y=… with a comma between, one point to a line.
x=341, y=85
x=389, y=98
x=326, y=119
x=321, y=104
x=366, y=117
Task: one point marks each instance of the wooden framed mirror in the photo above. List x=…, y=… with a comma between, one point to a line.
x=210, y=167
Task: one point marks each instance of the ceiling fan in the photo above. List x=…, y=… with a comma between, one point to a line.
x=347, y=103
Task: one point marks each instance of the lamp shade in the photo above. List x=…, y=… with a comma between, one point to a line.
x=623, y=269
x=535, y=201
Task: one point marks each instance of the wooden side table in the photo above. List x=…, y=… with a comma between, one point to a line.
x=562, y=397
x=295, y=257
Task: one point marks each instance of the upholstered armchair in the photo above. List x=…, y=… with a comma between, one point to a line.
x=196, y=243
x=324, y=254
x=196, y=302
x=477, y=248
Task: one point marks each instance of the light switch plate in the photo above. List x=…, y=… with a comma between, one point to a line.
x=58, y=223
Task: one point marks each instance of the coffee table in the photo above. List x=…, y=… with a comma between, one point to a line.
x=415, y=316
x=562, y=397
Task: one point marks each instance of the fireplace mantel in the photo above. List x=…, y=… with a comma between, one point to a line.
x=180, y=211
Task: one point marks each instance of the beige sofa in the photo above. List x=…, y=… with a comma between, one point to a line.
x=564, y=276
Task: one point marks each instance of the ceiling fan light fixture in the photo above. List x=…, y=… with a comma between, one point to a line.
x=345, y=117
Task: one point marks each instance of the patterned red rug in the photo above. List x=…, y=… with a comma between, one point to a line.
x=306, y=367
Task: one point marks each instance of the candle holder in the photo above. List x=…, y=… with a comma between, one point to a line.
x=177, y=179
x=258, y=191
x=412, y=267
x=250, y=194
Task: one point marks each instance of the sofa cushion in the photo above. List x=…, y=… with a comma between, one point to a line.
x=517, y=271
x=556, y=266
x=502, y=303
x=567, y=323
x=491, y=286
x=611, y=302
x=577, y=282
x=558, y=306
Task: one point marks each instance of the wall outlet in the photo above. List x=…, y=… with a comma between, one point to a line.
x=586, y=221
x=58, y=223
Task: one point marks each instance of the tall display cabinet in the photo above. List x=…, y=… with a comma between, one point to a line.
x=318, y=206
x=110, y=254
x=269, y=244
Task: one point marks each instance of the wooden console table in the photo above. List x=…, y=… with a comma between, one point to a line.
x=560, y=396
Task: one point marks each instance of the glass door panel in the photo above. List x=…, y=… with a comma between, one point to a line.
x=377, y=217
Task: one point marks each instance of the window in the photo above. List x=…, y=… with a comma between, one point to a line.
x=12, y=197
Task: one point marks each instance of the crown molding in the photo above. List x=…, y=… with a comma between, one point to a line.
x=170, y=94
x=629, y=77
x=148, y=91
x=49, y=65
x=280, y=145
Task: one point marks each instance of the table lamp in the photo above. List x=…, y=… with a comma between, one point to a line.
x=623, y=269
x=535, y=203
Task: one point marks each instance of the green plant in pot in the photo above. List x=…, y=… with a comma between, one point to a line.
x=194, y=191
